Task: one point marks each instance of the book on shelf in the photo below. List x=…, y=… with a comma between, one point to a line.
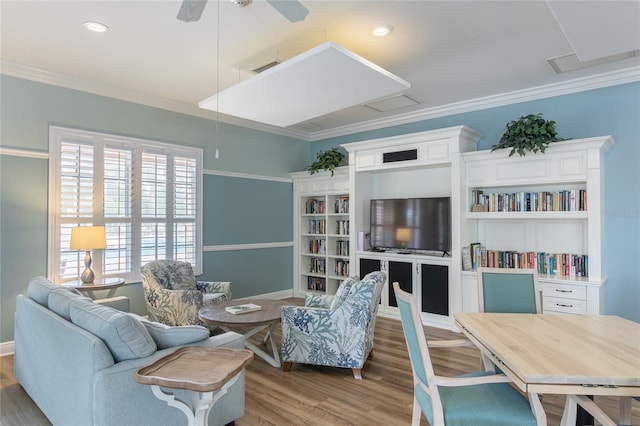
x=243, y=309
x=569, y=200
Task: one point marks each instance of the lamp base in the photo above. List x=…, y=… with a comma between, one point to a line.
x=87, y=276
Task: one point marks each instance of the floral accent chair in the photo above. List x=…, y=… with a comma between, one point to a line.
x=174, y=297
x=335, y=331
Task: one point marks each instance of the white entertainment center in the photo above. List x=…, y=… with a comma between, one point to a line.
x=446, y=163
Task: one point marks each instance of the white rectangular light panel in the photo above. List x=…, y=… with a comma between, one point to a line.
x=322, y=80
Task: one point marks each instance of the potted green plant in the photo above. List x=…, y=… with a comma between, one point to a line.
x=530, y=133
x=327, y=160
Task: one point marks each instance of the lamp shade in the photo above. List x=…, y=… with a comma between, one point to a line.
x=88, y=237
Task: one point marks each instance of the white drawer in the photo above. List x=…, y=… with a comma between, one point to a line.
x=565, y=306
x=564, y=291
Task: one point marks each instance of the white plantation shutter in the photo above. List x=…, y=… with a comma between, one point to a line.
x=148, y=196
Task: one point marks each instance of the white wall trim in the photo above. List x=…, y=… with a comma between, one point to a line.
x=250, y=246
x=7, y=348
x=247, y=176
x=614, y=78
x=26, y=153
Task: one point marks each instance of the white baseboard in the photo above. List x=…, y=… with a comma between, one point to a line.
x=6, y=348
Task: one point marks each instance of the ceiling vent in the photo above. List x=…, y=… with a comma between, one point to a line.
x=393, y=103
x=265, y=67
x=570, y=61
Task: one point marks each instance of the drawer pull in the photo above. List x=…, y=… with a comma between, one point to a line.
x=563, y=291
x=563, y=305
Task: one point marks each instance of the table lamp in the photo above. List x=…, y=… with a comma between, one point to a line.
x=88, y=238
x=403, y=235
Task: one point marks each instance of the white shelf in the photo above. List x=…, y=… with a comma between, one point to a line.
x=528, y=215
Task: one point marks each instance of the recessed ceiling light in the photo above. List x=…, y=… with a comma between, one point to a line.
x=96, y=26
x=381, y=30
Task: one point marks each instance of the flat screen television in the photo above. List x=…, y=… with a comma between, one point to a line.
x=411, y=224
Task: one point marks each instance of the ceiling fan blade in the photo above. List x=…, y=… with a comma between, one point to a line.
x=191, y=10
x=293, y=10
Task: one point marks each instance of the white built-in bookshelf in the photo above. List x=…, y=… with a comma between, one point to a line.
x=543, y=211
x=321, y=231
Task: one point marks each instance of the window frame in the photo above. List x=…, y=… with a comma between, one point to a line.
x=58, y=135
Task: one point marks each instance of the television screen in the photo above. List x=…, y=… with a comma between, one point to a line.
x=411, y=224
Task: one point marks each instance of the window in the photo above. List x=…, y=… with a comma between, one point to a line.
x=147, y=195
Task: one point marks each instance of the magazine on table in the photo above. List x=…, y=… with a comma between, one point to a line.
x=243, y=309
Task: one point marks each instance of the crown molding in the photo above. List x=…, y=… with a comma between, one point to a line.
x=614, y=78
x=48, y=77
x=627, y=75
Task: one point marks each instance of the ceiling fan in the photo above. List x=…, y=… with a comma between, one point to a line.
x=293, y=10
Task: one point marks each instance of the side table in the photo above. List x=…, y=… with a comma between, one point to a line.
x=207, y=372
x=110, y=284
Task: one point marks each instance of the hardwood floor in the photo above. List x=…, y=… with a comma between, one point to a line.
x=310, y=395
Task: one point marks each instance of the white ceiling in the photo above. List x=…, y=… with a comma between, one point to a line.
x=455, y=54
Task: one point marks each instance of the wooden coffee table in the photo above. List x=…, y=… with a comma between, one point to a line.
x=266, y=318
x=207, y=372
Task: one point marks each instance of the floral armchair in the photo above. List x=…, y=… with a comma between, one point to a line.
x=334, y=331
x=174, y=297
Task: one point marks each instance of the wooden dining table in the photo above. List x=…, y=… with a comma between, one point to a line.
x=560, y=353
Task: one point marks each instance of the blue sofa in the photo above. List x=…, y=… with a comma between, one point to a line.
x=78, y=378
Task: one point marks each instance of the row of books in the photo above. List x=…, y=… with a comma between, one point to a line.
x=544, y=201
x=317, y=266
x=317, y=246
x=316, y=283
x=559, y=264
x=313, y=206
x=342, y=247
x=317, y=206
x=342, y=227
x=317, y=226
x=342, y=268
x=341, y=205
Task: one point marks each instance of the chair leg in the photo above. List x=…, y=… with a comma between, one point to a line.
x=570, y=411
x=417, y=413
x=357, y=373
x=286, y=366
x=625, y=410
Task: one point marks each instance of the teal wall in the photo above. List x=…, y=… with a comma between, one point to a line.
x=244, y=211
x=237, y=210
x=607, y=111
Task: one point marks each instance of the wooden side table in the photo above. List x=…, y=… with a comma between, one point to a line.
x=110, y=284
x=205, y=371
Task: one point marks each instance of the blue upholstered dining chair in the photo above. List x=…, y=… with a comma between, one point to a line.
x=507, y=291
x=337, y=331
x=477, y=399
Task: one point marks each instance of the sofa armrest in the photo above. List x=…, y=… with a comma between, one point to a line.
x=120, y=303
x=318, y=300
x=215, y=287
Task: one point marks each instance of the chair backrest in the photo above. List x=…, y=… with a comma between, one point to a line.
x=170, y=274
x=414, y=336
x=508, y=291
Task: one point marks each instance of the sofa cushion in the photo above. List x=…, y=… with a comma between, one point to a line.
x=124, y=335
x=167, y=336
x=39, y=288
x=342, y=292
x=60, y=300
